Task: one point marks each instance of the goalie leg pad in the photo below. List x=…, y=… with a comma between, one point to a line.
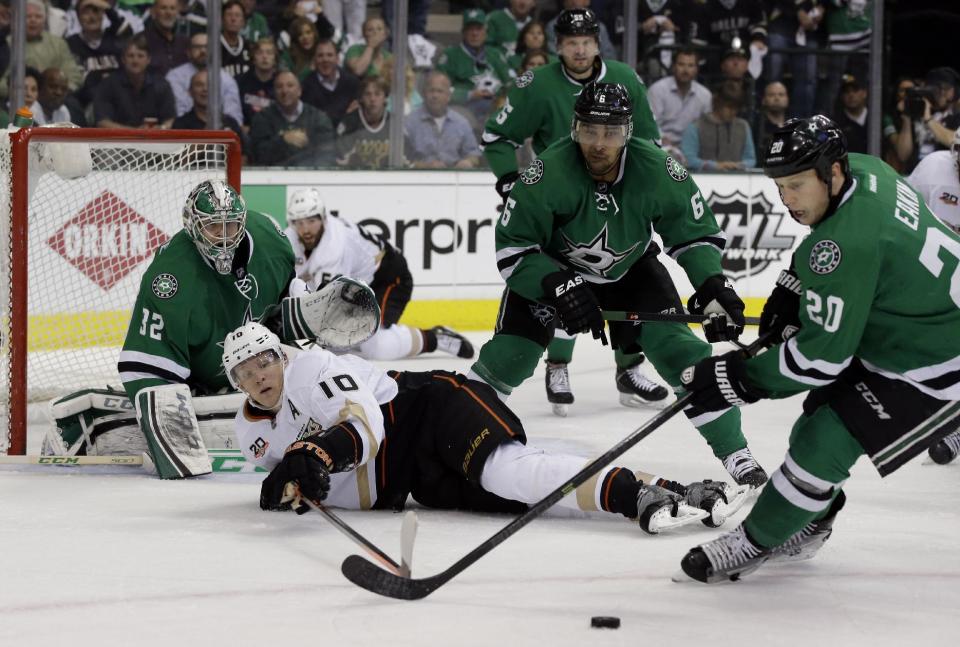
x=169, y=423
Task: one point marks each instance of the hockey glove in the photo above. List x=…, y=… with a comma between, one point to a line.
x=505, y=184
x=716, y=299
x=576, y=305
x=720, y=382
x=781, y=312
x=305, y=465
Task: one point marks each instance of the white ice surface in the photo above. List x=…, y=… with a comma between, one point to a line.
x=120, y=558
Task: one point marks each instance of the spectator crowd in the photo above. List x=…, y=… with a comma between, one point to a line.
x=307, y=82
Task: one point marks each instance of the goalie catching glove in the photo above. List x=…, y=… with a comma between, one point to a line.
x=338, y=316
x=720, y=382
x=576, y=305
x=716, y=299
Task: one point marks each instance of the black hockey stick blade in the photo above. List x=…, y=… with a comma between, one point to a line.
x=627, y=315
x=368, y=576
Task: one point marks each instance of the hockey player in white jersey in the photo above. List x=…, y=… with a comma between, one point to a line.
x=338, y=429
x=326, y=246
x=937, y=178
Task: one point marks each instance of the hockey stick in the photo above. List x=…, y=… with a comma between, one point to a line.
x=408, y=532
x=376, y=580
x=626, y=315
x=358, y=539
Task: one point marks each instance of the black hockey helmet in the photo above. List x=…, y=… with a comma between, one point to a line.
x=577, y=22
x=607, y=104
x=800, y=144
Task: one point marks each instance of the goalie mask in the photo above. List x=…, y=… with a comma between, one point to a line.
x=215, y=218
x=247, y=351
x=306, y=203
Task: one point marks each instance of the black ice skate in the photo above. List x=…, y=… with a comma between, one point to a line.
x=945, y=449
x=728, y=557
x=805, y=543
x=744, y=468
x=660, y=509
x=637, y=390
x=450, y=341
x=557, y=380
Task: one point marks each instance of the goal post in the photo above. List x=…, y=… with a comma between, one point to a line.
x=81, y=212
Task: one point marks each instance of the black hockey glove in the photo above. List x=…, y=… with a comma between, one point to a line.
x=505, y=184
x=716, y=299
x=781, y=312
x=305, y=465
x=720, y=382
x=576, y=305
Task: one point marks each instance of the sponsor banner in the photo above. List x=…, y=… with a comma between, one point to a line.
x=444, y=224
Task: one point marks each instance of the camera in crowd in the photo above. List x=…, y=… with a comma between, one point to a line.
x=913, y=104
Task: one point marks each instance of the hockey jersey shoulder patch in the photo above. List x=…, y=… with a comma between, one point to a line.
x=676, y=170
x=825, y=257
x=524, y=79
x=165, y=285
x=533, y=173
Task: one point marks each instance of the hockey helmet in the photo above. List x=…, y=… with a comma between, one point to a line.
x=215, y=218
x=605, y=104
x=306, y=203
x=577, y=22
x=810, y=143
x=251, y=340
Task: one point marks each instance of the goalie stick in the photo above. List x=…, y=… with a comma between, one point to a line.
x=376, y=580
x=626, y=315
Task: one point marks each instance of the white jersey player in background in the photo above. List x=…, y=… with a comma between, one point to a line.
x=326, y=246
x=341, y=430
x=937, y=179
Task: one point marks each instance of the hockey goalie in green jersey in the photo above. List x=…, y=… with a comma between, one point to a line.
x=575, y=235
x=866, y=320
x=540, y=106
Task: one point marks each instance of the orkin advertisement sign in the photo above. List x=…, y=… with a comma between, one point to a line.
x=444, y=223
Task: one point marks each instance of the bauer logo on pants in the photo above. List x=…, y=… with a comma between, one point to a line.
x=825, y=257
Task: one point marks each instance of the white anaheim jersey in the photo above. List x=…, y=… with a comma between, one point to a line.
x=321, y=390
x=344, y=248
x=937, y=178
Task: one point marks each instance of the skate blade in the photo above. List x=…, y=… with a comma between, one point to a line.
x=662, y=519
x=560, y=410
x=635, y=402
x=737, y=496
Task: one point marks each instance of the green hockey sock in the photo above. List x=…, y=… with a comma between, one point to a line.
x=506, y=361
x=560, y=350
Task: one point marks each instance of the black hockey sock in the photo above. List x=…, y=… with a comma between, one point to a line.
x=619, y=492
x=429, y=341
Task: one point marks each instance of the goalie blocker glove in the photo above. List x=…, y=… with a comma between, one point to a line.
x=781, y=312
x=720, y=382
x=576, y=305
x=716, y=299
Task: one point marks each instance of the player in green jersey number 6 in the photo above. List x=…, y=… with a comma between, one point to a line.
x=576, y=235
x=882, y=362
x=540, y=105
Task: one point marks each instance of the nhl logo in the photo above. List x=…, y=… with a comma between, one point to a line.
x=165, y=286
x=675, y=170
x=524, y=79
x=825, y=257
x=533, y=173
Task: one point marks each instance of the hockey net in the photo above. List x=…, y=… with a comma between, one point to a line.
x=81, y=213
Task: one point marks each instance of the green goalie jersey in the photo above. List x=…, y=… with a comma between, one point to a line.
x=540, y=105
x=185, y=308
x=558, y=216
x=881, y=282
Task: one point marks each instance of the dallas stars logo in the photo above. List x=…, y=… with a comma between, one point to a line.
x=595, y=257
x=825, y=257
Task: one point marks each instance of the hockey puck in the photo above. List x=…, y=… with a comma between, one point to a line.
x=605, y=622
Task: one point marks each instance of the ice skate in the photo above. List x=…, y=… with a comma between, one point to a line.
x=728, y=557
x=718, y=499
x=637, y=390
x=744, y=468
x=557, y=380
x=945, y=449
x=805, y=543
x=452, y=342
x=660, y=509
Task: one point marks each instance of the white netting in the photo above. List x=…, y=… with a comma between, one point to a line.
x=97, y=211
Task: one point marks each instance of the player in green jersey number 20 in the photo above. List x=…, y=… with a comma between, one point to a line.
x=883, y=362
